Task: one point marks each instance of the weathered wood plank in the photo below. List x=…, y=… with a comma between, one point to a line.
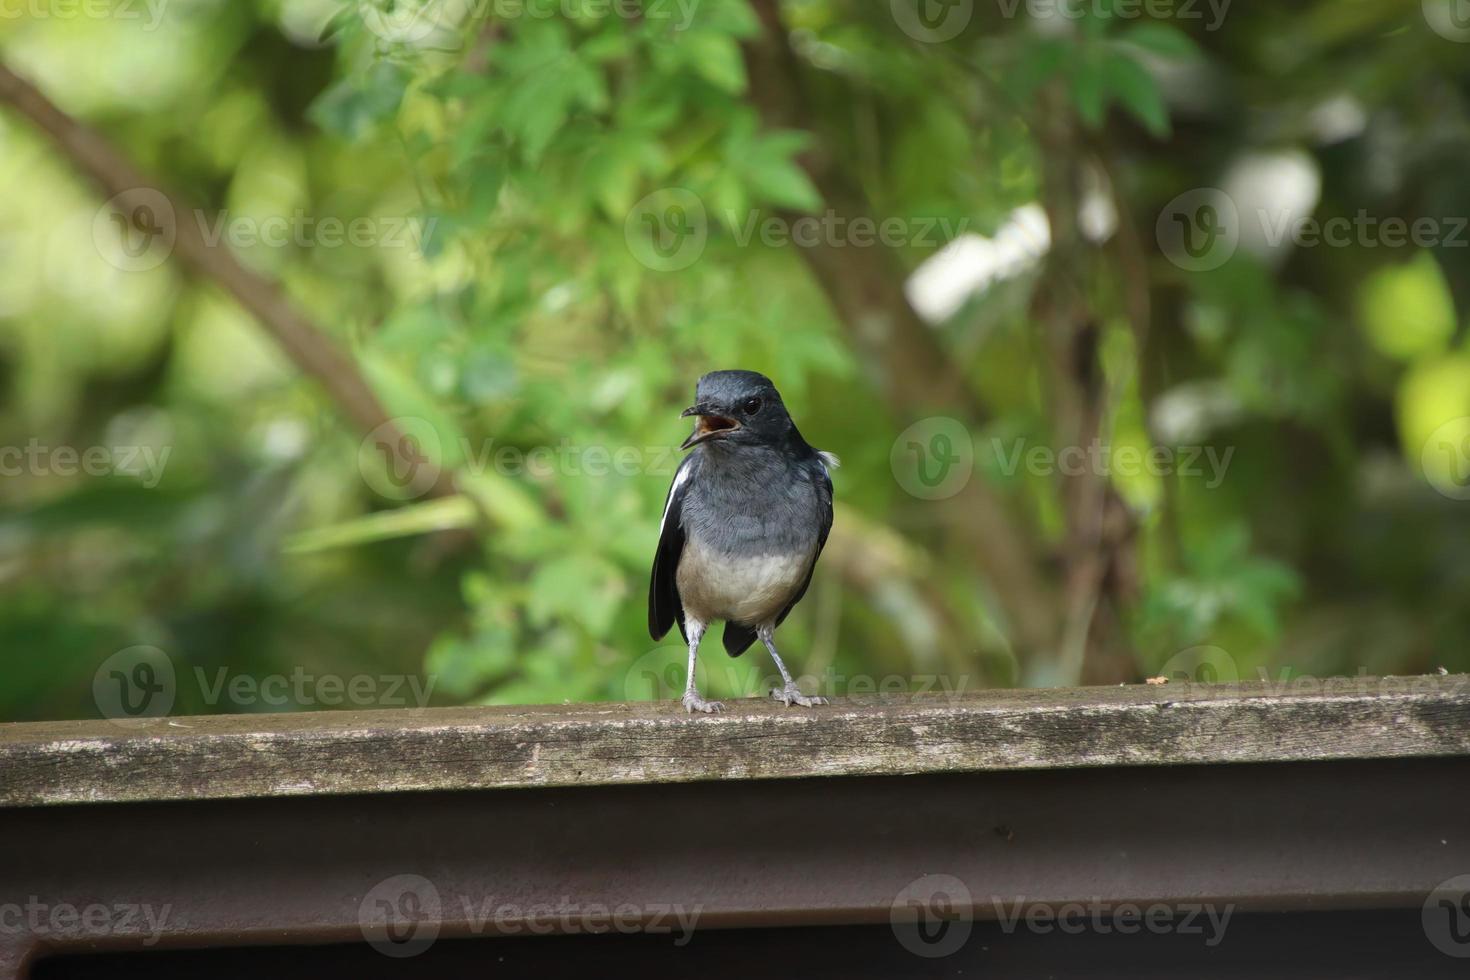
x=221, y=757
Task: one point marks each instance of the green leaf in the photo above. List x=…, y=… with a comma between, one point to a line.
x=354, y=107
x=1089, y=91
x=338, y=22
x=717, y=59
x=1164, y=40
x=773, y=175
x=1040, y=59
x=1138, y=92
x=446, y=514
x=582, y=588
x=404, y=398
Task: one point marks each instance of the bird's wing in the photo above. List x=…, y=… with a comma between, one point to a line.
x=664, y=607
x=823, y=479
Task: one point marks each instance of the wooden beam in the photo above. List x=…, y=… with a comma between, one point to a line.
x=326, y=753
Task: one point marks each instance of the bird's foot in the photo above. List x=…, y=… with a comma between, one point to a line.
x=693, y=702
x=791, y=694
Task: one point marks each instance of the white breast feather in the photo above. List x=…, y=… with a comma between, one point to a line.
x=751, y=589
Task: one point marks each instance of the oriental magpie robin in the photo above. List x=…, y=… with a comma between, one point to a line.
x=743, y=525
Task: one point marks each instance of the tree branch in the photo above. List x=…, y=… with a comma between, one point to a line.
x=307, y=346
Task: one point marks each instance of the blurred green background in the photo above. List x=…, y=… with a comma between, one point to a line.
x=533, y=226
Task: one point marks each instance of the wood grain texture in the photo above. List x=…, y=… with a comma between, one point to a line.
x=223, y=757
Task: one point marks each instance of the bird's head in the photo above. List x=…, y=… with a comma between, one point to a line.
x=737, y=408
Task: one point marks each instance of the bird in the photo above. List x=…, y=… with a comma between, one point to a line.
x=744, y=522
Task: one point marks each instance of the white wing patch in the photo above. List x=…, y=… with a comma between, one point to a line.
x=681, y=476
x=829, y=460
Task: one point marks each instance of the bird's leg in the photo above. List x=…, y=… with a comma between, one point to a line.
x=692, y=701
x=790, y=694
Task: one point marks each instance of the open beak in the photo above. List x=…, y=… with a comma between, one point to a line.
x=708, y=425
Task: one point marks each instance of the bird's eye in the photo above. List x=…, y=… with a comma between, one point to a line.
x=751, y=406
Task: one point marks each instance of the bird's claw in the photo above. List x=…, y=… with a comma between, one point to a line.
x=693, y=702
x=790, y=695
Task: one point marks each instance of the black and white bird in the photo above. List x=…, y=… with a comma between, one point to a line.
x=745, y=520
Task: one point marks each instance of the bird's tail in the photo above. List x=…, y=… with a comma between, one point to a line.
x=738, y=638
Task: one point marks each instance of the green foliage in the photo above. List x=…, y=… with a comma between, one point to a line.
x=544, y=352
